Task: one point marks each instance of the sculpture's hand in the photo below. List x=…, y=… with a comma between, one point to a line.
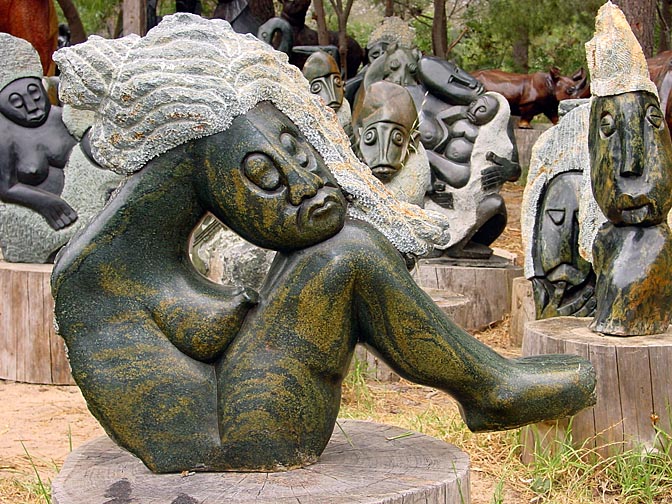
x=56, y=211
x=582, y=306
x=503, y=170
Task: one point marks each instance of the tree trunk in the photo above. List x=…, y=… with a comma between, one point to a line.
x=389, y=8
x=641, y=14
x=521, y=52
x=440, y=30
x=135, y=17
x=665, y=22
x=77, y=32
x=320, y=18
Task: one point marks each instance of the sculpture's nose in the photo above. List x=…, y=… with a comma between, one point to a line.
x=30, y=103
x=633, y=160
x=302, y=184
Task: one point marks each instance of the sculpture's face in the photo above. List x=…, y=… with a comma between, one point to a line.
x=24, y=102
x=401, y=67
x=558, y=235
x=631, y=156
x=376, y=51
x=330, y=89
x=383, y=146
x=270, y=185
x=482, y=110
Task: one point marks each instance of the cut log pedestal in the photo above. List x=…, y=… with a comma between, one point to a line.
x=634, y=388
x=522, y=309
x=363, y=463
x=30, y=349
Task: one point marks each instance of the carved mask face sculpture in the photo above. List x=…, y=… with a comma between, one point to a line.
x=400, y=65
x=376, y=50
x=482, y=110
x=24, y=101
x=557, y=238
x=325, y=80
x=631, y=155
x=387, y=118
x=270, y=185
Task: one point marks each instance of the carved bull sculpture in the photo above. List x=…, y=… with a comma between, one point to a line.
x=536, y=93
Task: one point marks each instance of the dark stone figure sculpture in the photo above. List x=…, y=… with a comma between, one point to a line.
x=565, y=285
x=324, y=77
x=631, y=153
x=244, y=17
x=35, y=146
x=630, y=158
x=189, y=375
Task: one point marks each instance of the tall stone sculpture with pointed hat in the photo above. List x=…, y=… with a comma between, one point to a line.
x=631, y=176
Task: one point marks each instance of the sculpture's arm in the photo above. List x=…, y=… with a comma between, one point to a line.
x=53, y=208
x=202, y=320
x=454, y=174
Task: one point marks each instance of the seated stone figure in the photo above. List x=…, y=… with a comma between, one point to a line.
x=386, y=140
x=189, y=375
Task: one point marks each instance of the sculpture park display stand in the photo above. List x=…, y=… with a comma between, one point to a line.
x=30, y=349
x=486, y=284
x=363, y=463
x=634, y=387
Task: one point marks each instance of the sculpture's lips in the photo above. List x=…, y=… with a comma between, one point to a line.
x=384, y=172
x=323, y=203
x=334, y=105
x=567, y=273
x=635, y=209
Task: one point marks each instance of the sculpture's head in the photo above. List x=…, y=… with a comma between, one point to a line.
x=384, y=125
x=482, y=110
x=558, y=233
x=629, y=143
x=393, y=30
x=324, y=76
x=271, y=186
x=23, y=99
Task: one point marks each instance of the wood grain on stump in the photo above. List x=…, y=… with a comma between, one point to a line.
x=488, y=289
x=634, y=386
x=374, y=464
x=522, y=309
x=30, y=349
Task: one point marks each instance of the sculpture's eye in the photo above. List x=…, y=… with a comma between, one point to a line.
x=571, y=90
x=34, y=91
x=398, y=137
x=655, y=116
x=374, y=54
x=607, y=125
x=412, y=68
x=557, y=216
x=370, y=136
x=395, y=64
x=16, y=100
x=261, y=171
x=338, y=82
x=315, y=87
x=299, y=152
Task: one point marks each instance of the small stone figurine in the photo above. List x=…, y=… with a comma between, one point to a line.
x=631, y=175
x=189, y=375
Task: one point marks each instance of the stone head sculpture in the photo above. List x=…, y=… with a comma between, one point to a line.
x=385, y=127
x=393, y=30
x=324, y=77
x=631, y=155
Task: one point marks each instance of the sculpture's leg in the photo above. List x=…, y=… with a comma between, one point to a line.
x=279, y=384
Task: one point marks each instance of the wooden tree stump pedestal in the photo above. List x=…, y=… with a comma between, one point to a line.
x=374, y=464
x=30, y=349
x=486, y=284
x=634, y=387
x=522, y=309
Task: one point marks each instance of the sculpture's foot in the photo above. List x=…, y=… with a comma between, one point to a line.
x=470, y=250
x=542, y=387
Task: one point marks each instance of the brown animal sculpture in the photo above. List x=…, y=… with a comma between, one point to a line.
x=537, y=93
x=660, y=71
x=35, y=21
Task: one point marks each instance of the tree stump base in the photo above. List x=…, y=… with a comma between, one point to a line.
x=634, y=388
x=522, y=309
x=30, y=349
x=486, y=285
x=374, y=464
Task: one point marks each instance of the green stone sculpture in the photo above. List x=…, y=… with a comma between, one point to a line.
x=189, y=375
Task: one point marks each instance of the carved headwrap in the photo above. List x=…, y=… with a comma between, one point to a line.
x=392, y=30
x=19, y=59
x=189, y=77
x=615, y=59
